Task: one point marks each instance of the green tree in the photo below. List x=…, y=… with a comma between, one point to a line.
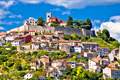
x=84, y=38
x=50, y=78
x=18, y=66
x=105, y=34
x=3, y=58
x=54, y=24
x=112, y=39
x=21, y=73
x=42, y=53
x=74, y=36
x=57, y=55
x=80, y=74
x=99, y=33
x=9, y=64
x=115, y=43
x=88, y=21
x=70, y=21
x=67, y=37
x=87, y=24
x=83, y=59
x=40, y=21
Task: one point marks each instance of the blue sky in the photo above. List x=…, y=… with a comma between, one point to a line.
x=14, y=12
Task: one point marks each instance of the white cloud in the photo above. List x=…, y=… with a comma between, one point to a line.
x=12, y=22
x=73, y=3
x=15, y=16
x=64, y=3
x=55, y=9
x=113, y=28
x=115, y=18
x=6, y=4
x=80, y=3
x=96, y=24
x=66, y=13
x=1, y=28
x=96, y=21
x=9, y=22
x=3, y=13
x=31, y=1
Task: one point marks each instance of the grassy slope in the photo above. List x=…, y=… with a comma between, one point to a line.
x=102, y=43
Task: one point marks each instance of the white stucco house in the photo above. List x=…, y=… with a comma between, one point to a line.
x=16, y=43
x=94, y=65
x=111, y=73
x=28, y=76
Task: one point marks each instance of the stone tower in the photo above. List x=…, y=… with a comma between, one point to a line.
x=48, y=16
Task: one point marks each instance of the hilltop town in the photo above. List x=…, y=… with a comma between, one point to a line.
x=58, y=50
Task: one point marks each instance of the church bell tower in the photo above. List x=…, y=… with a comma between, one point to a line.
x=48, y=16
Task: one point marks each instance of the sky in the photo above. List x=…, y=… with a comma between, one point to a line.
x=103, y=13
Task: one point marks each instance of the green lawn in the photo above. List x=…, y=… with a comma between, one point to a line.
x=102, y=43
